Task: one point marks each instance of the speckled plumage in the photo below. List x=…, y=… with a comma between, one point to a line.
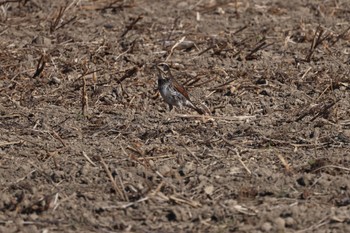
x=173, y=93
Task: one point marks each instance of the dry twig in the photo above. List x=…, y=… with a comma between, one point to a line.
x=191, y=153
x=84, y=99
x=121, y=184
x=284, y=162
x=10, y=143
x=174, y=46
x=54, y=25
x=316, y=42
x=114, y=184
x=240, y=160
x=131, y=26
x=128, y=73
x=228, y=118
x=40, y=66
x=88, y=159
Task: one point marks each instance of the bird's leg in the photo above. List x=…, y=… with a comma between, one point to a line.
x=169, y=113
x=170, y=107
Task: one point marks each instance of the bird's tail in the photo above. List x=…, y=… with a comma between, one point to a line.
x=197, y=109
x=200, y=111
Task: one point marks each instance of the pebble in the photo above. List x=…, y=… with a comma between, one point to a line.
x=55, y=80
x=290, y=222
x=182, y=5
x=266, y=227
x=188, y=168
x=280, y=223
x=164, y=170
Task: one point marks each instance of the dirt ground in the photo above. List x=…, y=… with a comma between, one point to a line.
x=88, y=145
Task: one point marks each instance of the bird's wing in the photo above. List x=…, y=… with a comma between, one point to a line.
x=178, y=86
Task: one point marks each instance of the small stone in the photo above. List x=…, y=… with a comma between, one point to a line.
x=193, y=74
x=234, y=170
x=219, y=11
x=18, y=221
x=182, y=5
x=266, y=227
x=280, y=223
x=289, y=222
x=164, y=170
x=5, y=199
x=188, y=168
x=178, y=66
x=186, y=44
x=32, y=228
x=209, y=189
x=202, y=178
x=200, y=171
x=38, y=40
x=33, y=217
x=55, y=80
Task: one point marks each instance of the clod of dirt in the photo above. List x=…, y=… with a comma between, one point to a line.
x=266, y=227
x=280, y=224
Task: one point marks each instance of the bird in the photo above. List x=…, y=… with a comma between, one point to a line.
x=172, y=92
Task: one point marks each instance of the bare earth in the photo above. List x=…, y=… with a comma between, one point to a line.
x=88, y=145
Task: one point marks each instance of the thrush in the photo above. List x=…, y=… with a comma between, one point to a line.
x=173, y=93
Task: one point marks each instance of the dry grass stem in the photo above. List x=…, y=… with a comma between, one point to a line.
x=226, y=118
x=191, y=153
x=240, y=160
x=181, y=200
x=114, y=184
x=333, y=166
x=126, y=198
x=84, y=99
x=174, y=46
x=284, y=162
x=88, y=159
x=10, y=143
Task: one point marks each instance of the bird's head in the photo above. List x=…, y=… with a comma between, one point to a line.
x=163, y=73
x=163, y=68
